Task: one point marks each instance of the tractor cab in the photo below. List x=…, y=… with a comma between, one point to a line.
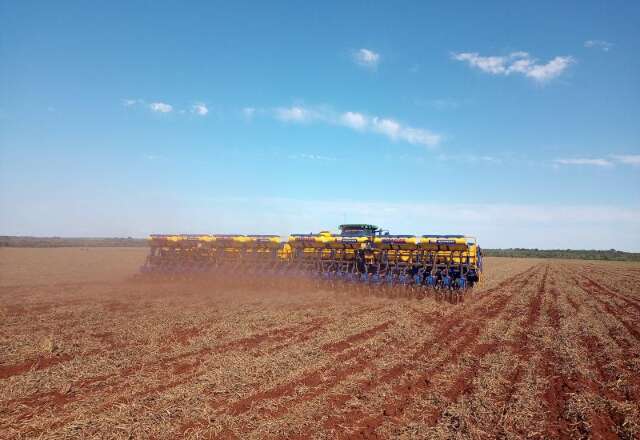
x=359, y=230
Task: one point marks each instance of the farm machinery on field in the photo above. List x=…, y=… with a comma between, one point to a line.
x=361, y=256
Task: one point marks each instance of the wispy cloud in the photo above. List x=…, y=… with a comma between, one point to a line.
x=396, y=131
x=470, y=158
x=366, y=58
x=131, y=102
x=160, y=107
x=296, y=114
x=306, y=156
x=517, y=63
x=628, y=159
x=200, y=109
x=608, y=161
x=361, y=122
x=598, y=162
x=605, y=46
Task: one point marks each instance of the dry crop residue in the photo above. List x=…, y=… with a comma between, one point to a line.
x=541, y=349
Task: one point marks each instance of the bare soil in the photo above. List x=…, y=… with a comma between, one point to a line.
x=540, y=349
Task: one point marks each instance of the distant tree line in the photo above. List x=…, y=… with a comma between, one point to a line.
x=47, y=242
x=611, y=254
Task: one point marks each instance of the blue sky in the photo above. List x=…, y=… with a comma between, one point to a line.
x=516, y=122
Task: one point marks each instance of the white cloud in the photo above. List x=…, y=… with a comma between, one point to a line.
x=599, y=162
x=366, y=58
x=357, y=121
x=131, y=102
x=628, y=159
x=605, y=46
x=396, y=131
x=494, y=65
x=388, y=127
x=295, y=114
x=517, y=62
x=160, y=107
x=200, y=109
x=554, y=68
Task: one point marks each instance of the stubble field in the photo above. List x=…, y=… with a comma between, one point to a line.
x=541, y=349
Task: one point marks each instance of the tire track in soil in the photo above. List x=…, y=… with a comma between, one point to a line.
x=364, y=426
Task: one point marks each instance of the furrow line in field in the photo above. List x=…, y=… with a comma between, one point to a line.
x=614, y=293
x=170, y=367
x=566, y=380
x=505, y=283
x=292, y=335
x=462, y=383
x=614, y=310
x=465, y=339
x=629, y=349
x=314, y=378
x=383, y=376
x=304, y=388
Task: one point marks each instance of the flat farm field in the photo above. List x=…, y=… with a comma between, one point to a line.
x=541, y=349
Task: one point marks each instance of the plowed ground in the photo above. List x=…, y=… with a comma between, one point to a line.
x=542, y=349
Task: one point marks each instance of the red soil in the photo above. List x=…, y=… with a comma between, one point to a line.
x=548, y=350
